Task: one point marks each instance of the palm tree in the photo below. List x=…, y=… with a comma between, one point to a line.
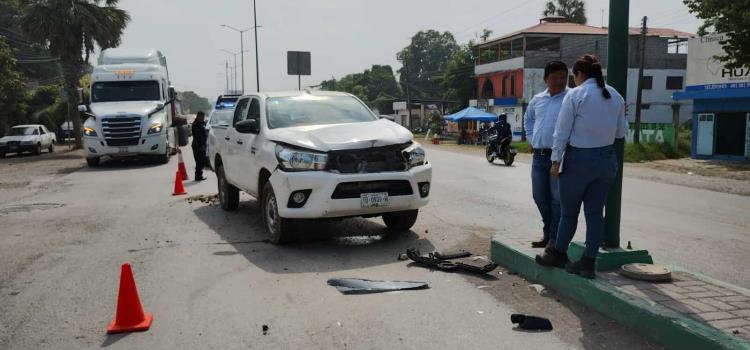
x=70, y=28
x=573, y=10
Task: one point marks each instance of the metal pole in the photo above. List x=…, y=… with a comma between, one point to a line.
x=299, y=82
x=235, y=73
x=257, y=74
x=617, y=77
x=226, y=69
x=639, y=94
x=242, y=58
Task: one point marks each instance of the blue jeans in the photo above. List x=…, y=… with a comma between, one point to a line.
x=544, y=188
x=588, y=174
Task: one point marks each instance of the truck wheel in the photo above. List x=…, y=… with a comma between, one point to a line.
x=92, y=161
x=400, y=221
x=229, y=196
x=38, y=149
x=280, y=229
x=51, y=148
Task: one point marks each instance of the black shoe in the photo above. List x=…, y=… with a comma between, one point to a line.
x=585, y=267
x=199, y=178
x=540, y=244
x=552, y=258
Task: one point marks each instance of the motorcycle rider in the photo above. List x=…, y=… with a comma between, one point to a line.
x=504, y=134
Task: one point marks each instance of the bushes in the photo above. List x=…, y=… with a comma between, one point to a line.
x=649, y=151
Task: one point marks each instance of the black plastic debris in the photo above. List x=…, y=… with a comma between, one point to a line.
x=531, y=323
x=453, y=261
x=265, y=329
x=363, y=286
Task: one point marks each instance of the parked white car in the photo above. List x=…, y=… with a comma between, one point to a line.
x=28, y=138
x=320, y=154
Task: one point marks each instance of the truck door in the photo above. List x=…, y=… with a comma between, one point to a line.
x=230, y=147
x=705, y=146
x=247, y=149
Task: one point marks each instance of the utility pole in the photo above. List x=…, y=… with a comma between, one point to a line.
x=617, y=76
x=242, y=51
x=257, y=71
x=638, y=98
x=226, y=69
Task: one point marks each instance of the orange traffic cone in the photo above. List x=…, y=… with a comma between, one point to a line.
x=181, y=166
x=178, y=187
x=129, y=316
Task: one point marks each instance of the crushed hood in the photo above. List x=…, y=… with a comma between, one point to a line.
x=343, y=136
x=20, y=138
x=123, y=107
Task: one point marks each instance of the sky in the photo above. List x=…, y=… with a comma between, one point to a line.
x=343, y=36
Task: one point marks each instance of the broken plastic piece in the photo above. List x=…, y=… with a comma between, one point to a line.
x=531, y=323
x=452, y=254
x=450, y=265
x=363, y=286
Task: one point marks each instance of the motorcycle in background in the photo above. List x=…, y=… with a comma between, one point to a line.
x=500, y=149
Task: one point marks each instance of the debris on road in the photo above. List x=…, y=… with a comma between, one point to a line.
x=210, y=199
x=265, y=329
x=476, y=264
x=363, y=286
x=531, y=323
x=538, y=288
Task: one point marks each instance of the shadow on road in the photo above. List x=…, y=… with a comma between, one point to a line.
x=319, y=245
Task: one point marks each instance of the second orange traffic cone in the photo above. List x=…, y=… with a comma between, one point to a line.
x=178, y=187
x=181, y=166
x=129, y=316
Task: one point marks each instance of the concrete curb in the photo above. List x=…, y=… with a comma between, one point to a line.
x=669, y=328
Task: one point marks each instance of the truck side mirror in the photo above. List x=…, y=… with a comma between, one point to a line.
x=249, y=126
x=172, y=93
x=82, y=108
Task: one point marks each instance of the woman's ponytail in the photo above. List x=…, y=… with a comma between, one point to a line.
x=590, y=67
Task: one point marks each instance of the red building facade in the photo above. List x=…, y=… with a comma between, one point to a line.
x=501, y=84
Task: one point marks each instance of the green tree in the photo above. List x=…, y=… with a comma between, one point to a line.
x=70, y=29
x=193, y=103
x=459, y=81
x=12, y=90
x=377, y=86
x=424, y=63
x=731, y=18
x=573, y=10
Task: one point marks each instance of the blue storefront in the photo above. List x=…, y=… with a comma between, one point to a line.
x=721, y=101
x=721, y=120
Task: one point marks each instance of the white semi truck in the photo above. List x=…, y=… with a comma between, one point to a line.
x=132, y=111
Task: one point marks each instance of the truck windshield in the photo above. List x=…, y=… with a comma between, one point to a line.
x=24, y=131
x=284, y=112
x=125, y=91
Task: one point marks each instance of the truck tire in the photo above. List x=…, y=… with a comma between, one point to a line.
x=51, y=148
x=400, y=221
x=38, y=149
x=92, y=161
x=279, y=229
x=229, y=196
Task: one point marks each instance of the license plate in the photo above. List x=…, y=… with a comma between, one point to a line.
x=374, y=200
x=122, y=149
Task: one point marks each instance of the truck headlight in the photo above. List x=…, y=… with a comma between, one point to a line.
x=155, y=128
x=415, y=156
x=298, y=160
x=89, y=131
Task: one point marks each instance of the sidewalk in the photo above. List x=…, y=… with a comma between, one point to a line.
x=692, y=311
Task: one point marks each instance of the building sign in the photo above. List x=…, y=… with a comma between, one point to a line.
x=653, y=133
x=706, y=72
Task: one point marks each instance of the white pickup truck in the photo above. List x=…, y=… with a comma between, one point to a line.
x=319, y=154
x=27, y=138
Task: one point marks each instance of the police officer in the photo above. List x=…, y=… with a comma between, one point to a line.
x=199, y=144
x=591, y=117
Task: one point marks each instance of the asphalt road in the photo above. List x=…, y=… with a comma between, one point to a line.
x=212, y=282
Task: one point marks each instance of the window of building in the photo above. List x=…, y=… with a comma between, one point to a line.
x=512, y=85
x=648, y=82
x=505, y=48
x=516, y=48
x=674, y=83
x=544, y=44
x=503, y=91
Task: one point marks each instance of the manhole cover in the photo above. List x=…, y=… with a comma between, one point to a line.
x=646, y=272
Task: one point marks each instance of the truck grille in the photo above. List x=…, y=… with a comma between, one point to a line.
x=122, y=130
x=355, y=189
x=368, y=160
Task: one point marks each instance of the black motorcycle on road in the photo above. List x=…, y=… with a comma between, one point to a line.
x=502, y=150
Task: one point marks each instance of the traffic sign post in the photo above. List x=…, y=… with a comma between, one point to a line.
x=298, y=63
